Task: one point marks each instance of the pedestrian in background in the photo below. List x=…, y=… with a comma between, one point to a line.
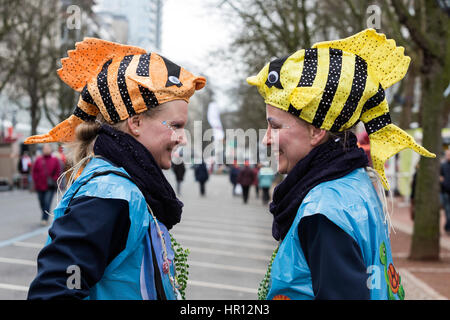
x=45, y=172
x=245, y=179
x=265, y=178
x=179, y=170
x=201, y=176
x=24, y=167
x=330, y=215
x=255, y=181
x=234, y=174
x=445, y=188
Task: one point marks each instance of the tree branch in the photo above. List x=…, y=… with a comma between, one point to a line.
x=414, y=30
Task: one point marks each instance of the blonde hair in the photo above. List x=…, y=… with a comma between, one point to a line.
x=81, y=150
x=378, y=185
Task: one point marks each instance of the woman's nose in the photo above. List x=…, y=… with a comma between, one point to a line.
x=267, y=141
x=182, y=140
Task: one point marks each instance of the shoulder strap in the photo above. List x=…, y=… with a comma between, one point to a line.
x=160, y=293
x=158, y=282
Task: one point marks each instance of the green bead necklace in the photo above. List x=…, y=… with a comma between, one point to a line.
x=181, y=266
x=263, y=289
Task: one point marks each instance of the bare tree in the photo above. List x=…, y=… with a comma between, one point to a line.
x=9, y=10
x=35, y=37
x=270, y=29
x=429, y=29
x=64, y=99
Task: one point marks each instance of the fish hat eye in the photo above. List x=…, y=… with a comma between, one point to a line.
x=273, y=77
x=174, y=80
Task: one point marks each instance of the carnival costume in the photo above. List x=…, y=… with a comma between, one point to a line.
x=333, y=86
x=112, y=222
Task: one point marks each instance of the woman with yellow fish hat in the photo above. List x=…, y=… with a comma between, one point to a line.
x=109, y=238
x=329, y=218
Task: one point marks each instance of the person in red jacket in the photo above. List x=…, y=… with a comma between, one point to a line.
x=245, y=179
x=45, y=172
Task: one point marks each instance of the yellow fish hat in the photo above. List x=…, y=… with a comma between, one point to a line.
x=335, y=84
x=118, y=81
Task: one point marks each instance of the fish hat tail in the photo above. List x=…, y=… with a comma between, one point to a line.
x=388, y=65
x=63, y=132
x=387, y=142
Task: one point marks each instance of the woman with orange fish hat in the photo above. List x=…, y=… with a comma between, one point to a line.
x=330, y=220
x=109, y=238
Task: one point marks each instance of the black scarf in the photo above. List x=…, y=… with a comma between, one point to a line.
x=329, y=161
x=126, y=152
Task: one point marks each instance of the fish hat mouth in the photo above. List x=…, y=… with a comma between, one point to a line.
x=117, y=81
x=336, y=84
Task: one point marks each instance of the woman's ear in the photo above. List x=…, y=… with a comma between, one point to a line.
x=134, y=124
x=318, y=136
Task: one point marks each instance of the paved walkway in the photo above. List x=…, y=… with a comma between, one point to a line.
x=230, y=245
x=425, y=280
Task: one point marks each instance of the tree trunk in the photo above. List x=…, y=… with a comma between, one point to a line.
x=425, y=240
x=406, y=115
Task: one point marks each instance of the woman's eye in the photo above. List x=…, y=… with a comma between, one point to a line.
x=274, y=126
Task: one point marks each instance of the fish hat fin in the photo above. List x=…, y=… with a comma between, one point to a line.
x=63, y=132
x=385, y=59
x=388, y=141
x=86, y=61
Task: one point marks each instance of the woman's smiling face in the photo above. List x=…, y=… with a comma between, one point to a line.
x=162, y=132
x=290, y=138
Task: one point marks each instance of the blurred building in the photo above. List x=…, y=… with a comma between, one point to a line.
x=144, y=20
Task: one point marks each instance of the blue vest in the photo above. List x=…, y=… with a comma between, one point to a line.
x=130, y=275
x=351, y=203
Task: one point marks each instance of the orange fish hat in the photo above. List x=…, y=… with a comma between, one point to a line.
x=118, y=81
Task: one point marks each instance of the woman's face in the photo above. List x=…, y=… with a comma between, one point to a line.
x=163, y=131
x=291, y=139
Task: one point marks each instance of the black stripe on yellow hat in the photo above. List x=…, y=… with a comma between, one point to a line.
x=334, y=73
x=375, y=100
x=309, y=68
x=356, y=93
x=378, y=123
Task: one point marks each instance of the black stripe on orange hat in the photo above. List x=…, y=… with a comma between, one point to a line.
x=118, y=81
